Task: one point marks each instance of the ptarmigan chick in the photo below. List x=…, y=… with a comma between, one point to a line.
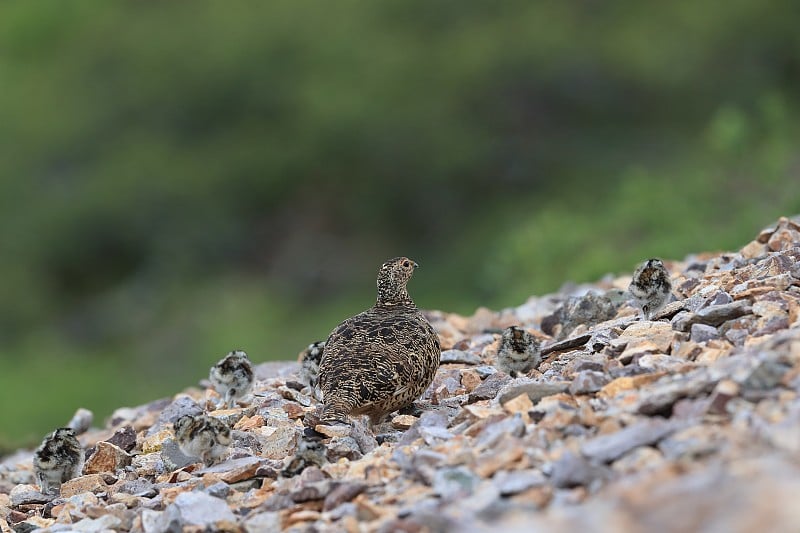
x=58, y=459
x=309, y=360
x=232, y=377
x=202, y=436
x=650, y=287
x=518, y=353
x=382, y=359
x=310, y=451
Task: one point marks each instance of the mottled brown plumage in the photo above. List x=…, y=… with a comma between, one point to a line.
x=382, y=359
x=58, y=459
x=518, y=353
x=650, y=287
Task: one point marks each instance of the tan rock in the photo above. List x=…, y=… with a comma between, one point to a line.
x=659, y=334
x=628, y=383
x=470, y=379
x=403, y=421
x=154, y=442
x=106, y=458
x=90, y=483
x=520, y=404
x=249, y=422
x=754, y=249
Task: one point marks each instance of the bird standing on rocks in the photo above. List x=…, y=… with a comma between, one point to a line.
x=202, y=436
x=310, y=451
x=382, y=359
x=232, y=377
x=650, y=287
x=58, y=459
x=518, y=353
x=309, y=360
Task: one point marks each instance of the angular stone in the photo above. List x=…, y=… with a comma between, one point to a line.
x=27, y=494
x=588, y=381
x=572, y=470
x=510, y=482
x=200, y=509
x=263, y=522
x=234, y=470
x=182, y=405
x=403, y=421
x=341, y=493
x=658, y=333
x=536, y=390
x=607, y=448
x=489, y=388
x=124, y=438
x=90, y=483
x=81, y=421
x=454, y=482
x=461, y=357
x=703, y=333
x=106, y=458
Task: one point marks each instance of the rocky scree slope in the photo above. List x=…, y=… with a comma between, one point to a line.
x=690, y=421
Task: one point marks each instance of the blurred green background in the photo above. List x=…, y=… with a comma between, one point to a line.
x=181, y=179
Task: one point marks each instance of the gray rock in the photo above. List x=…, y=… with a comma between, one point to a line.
x=454, y=482
x=428, y=419
x=268, y=522
x=168, y=521
x=536, y=390
x=178, y=408
x=138, y=487
x=342, y=493
x=516, y=481
x=96, y=525
x=713, y=315
x=484, y=371
x=509, y=427
x=459, y=356
x=489, y=387
x=200, y=509
x=81, y=421
x=124, y=438
x=606, y=448
x=703, y=333
x=219, y=490
x=173, y=457
x=27, y=494
x=572, y=470
x=588, y=381
x=315, y=490
x=346, y=447
x=662, y=395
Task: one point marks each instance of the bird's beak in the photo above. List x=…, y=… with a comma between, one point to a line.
x=416, y=265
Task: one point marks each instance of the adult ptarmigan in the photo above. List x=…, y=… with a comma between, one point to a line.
x=382, y=359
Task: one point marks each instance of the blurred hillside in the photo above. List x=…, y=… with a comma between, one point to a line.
x=180, y=179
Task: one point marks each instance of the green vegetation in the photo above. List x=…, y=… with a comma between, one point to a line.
x=179, y=179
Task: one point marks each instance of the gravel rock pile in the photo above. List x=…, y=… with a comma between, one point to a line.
x=690, y=421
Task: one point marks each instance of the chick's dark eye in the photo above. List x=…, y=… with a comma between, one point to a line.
x=405, y=263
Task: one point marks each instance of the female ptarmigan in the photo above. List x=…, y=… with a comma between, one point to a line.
x=650, y=287
x=382, y=359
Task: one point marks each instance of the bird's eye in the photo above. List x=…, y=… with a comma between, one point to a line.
x=405, y=264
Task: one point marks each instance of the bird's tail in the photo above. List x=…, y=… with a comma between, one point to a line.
x=335, y=411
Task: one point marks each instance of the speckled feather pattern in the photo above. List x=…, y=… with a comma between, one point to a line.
x=309, y=360
x=382, y=359
x=650, y=286
x=202, y=436
x=232, y=377
x=519, y=352
x=58, y=459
